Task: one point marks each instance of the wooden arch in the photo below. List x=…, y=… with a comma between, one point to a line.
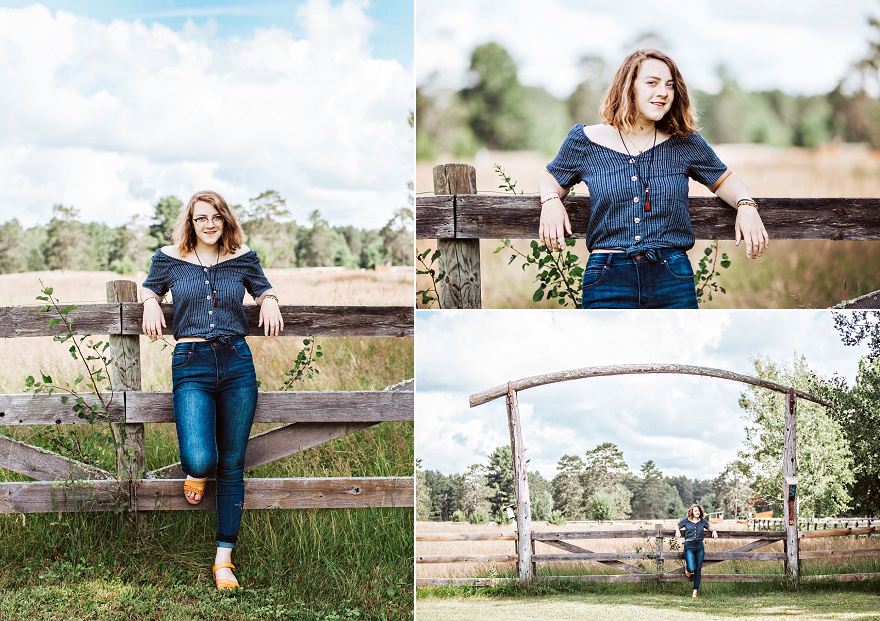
x=521, y=484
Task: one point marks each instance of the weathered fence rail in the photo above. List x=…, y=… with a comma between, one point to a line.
x=311, y=418
x=459, y=218
x=814, y=523
x=639, y=572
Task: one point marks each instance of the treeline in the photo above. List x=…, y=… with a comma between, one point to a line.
x=598, y=486
x=498, y=112
x=68, y=243
x=838, y=455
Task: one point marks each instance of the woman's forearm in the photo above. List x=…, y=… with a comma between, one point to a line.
x=732, y=189
x=264, y=295
x=547, y=184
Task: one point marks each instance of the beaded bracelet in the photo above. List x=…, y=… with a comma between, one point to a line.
x=546, y=198
x=746, y=201
x=271, y=297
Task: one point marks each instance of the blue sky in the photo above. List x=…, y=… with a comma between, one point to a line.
x=110, y=106
x=688, y=425
x=392, y=37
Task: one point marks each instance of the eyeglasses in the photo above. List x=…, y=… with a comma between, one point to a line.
x=215, y=220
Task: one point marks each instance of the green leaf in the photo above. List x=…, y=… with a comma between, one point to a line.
x=46, y=378
x=48, y=290
x=65, y=399
x=725, y=264
x=538, y=295
x=54, y=322
x=708, y=251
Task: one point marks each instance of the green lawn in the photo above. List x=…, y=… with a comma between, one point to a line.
x=746, y=602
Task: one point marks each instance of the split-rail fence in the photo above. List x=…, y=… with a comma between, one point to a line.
x=311, y=418
x=458, y=218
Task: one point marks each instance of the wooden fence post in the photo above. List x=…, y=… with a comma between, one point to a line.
x=459, y=258
x=658, y=548
x=126, y=376
x=789, y=498
x=521, y=487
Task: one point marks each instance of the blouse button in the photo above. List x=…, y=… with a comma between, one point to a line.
x=212, y=325
x=637, y=220
x=635, y=199
x=210, y=312
x=207, y=297
x=632, y=161
x=633, y=178
x=638, y=237
x=205, y=268
x=207, y=283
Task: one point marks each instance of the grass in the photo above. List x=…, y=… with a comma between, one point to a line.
x=670, y=602
x=310, y=564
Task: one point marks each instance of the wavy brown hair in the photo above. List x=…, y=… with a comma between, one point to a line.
x=702, y=512
x=184, y=233
x=618, y=107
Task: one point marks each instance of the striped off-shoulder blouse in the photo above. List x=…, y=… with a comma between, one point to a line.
x=618, y=220
x=192, y=287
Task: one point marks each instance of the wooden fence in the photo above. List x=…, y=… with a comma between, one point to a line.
x=644, y=566
x=832, y=523
x=459, y=218
x=312, y=418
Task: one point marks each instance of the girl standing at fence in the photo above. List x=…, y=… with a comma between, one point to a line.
x=694, y=527
x=208, y=269
x=636, y=165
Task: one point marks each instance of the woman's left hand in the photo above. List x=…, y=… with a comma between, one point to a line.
x=270, y=317
x=714, y=534
x=750, y=229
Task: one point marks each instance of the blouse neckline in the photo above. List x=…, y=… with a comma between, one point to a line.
x=203, y=266
x=623, y=153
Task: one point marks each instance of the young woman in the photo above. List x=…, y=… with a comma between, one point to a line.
x=208, y=270
x=636, y=165
x=694, y=527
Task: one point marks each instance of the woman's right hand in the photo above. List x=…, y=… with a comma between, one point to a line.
x=154, y=319
x=554, y=224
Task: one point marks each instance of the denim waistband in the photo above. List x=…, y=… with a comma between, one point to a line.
x=221, y=341
x=651, y=255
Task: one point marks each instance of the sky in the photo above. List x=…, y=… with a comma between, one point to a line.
x=110, y=106
x=689, y=425
x=799, y=46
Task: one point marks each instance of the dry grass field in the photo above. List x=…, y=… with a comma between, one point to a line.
x=639, y=540
x=792, y=274
x=348, y=361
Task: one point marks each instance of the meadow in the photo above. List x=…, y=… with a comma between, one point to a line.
x=770, y=601
x=308, y=564
x=791, y=274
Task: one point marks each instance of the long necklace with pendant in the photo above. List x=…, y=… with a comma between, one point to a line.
x=645, y=181
x=209, y=276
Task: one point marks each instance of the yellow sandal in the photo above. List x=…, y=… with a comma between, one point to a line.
x=194, y=487
x=224, y=584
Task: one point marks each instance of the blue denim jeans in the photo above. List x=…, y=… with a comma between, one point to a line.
x=693, y=559
x=665, y=279
x=215, y=395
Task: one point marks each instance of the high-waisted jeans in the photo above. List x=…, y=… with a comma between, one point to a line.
x=662, y=279
x=693, y=559
x=215, y=395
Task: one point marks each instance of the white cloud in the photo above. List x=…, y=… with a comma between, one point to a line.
x=110, y=117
